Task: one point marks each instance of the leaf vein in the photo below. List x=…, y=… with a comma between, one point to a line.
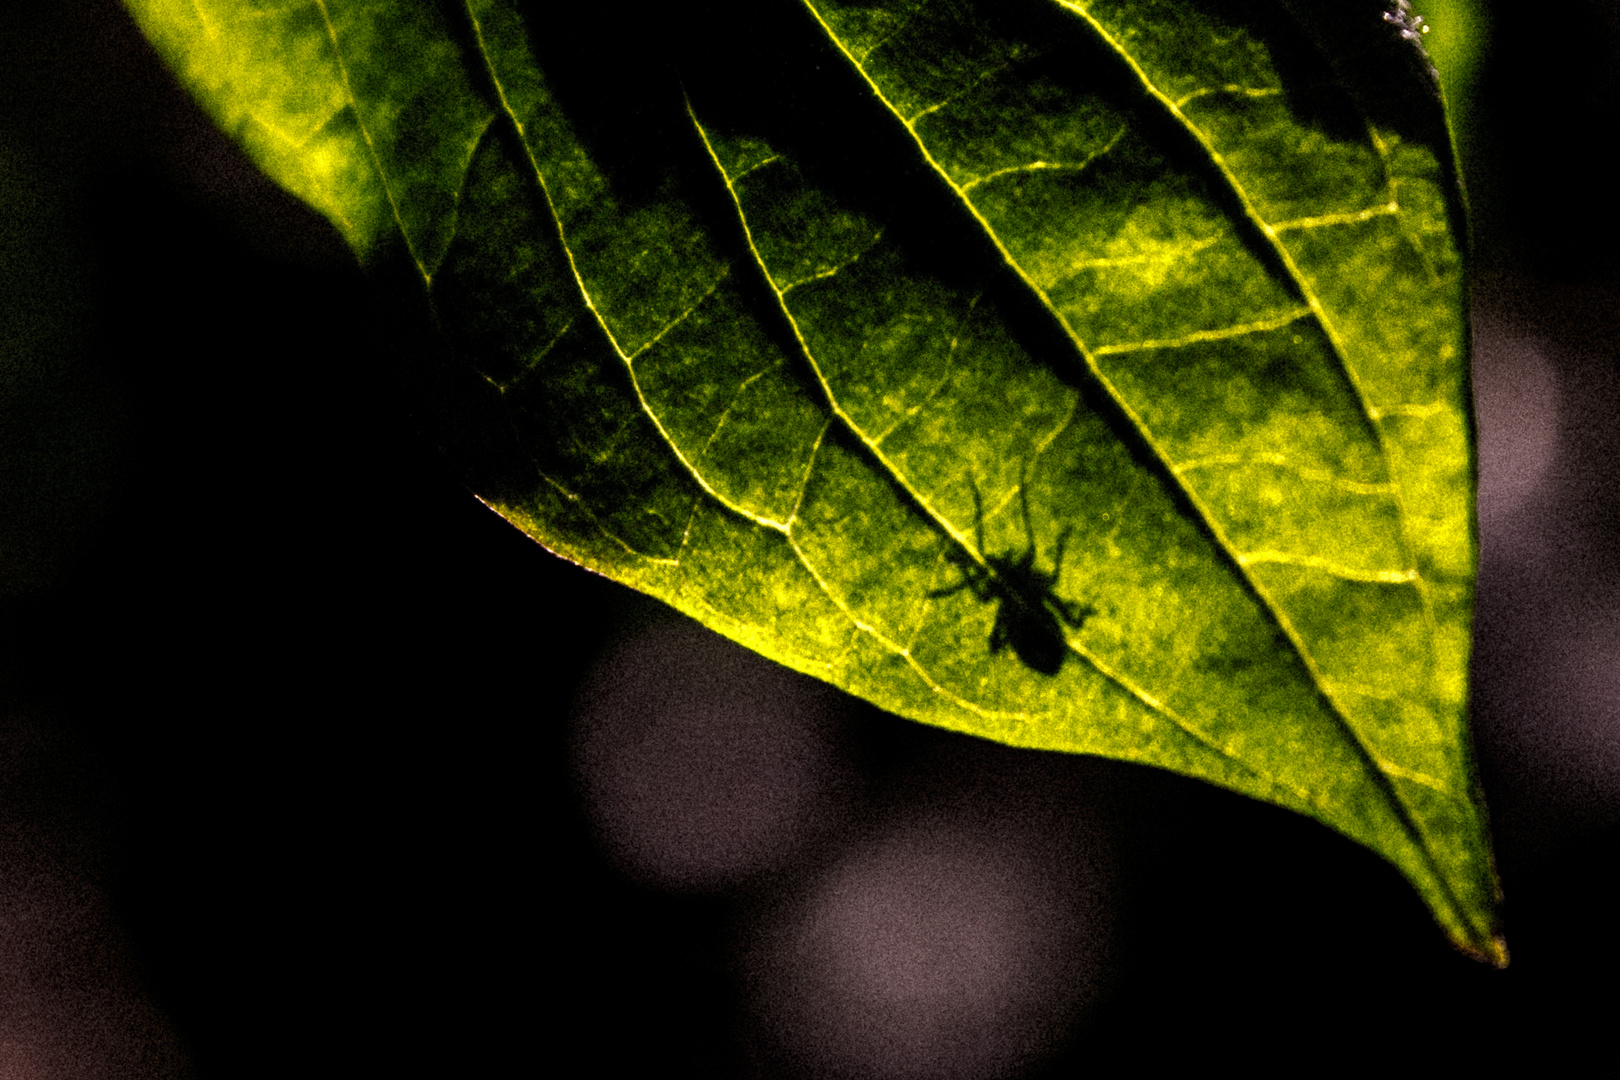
x=1163, y=256
x=939, y=384
x=1229, y=88
x=1352, y=217
x=1163, y=708
x=1328, y=566
x=1393, y=183
x=987, y=74
x=804, y=483
x=1038, y=166
x=1216, y=461
x=1198, y=336
x=725, y=413
x=819, y=275
x=1416, y=410
x=537, y=358
x=682, y=317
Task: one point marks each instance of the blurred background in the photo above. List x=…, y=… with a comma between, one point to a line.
x=310, y=762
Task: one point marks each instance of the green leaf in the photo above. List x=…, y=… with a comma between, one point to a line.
x=1088, y=376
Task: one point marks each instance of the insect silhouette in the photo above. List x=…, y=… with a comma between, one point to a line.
x=1031, y=616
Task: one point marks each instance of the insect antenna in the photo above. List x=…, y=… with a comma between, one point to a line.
x=1023, y=500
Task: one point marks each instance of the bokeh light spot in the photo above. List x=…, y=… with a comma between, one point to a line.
x=702, y=764
x=1518, y=403
x=940, y=950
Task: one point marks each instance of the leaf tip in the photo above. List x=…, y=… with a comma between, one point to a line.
x=1493, y=951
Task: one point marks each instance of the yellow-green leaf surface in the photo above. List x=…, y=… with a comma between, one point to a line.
x=1087, y=375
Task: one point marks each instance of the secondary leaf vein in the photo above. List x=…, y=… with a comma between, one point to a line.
x=1198, y=336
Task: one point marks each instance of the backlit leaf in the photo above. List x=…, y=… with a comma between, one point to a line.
x=1086, y=375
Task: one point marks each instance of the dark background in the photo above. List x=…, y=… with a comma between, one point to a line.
x=285, y=777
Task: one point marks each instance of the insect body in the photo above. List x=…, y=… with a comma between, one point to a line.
x=1031, y=616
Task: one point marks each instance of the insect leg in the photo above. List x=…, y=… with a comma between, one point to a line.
x=978, y=516
x=983, y=585
x=1057, y=559
x=1023, y=500
x=1073, y=614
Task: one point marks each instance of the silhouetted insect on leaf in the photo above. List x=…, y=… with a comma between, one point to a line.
x=1031, y=616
